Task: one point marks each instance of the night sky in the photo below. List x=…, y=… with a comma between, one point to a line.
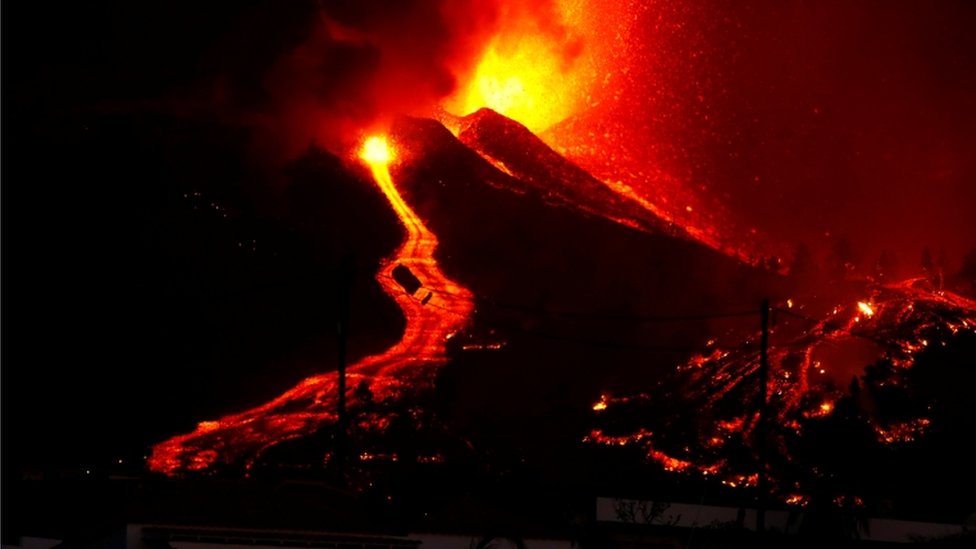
x=157, y=271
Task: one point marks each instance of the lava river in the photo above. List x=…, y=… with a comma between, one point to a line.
x=435, y=311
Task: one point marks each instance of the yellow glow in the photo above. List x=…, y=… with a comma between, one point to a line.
x=427, y=326
x=208, y=425
x=797, y=499
x=537, y=73
x=524, y=81
x=865, y=308
x=376, y=151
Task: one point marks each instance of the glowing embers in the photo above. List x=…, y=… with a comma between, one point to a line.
x=524, y=78
x=406, y=369
x=824, y=392
x=903, y=432
x=601, y=404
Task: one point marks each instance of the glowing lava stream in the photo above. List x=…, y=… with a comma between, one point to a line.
x=310, y=406
x=429, y=322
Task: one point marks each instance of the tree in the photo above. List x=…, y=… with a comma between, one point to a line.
x=928, y=266
x=967, y=274
x=885, y=266
x=842, y=260
x=802, y=263
x=942, y=263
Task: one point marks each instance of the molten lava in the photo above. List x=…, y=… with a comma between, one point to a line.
x=432, y=316
x=376, y=152
x=819, y=379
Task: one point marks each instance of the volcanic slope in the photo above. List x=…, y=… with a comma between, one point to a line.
x=566, y=304
x=856, y=398
x=571, y=306
x=578, y=290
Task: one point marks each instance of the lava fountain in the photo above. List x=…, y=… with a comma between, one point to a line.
x=434, y=311
x=548, y=62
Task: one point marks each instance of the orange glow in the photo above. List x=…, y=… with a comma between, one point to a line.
x=797, y=499
x=552, y=72
x=734, y=425
x=538, y=69
x=376, y=151
x=738, y=481
x=514, y=78
x=670, y=463
x=599, y=437
x=914, y=318
x=312, y=404
x=601, y=405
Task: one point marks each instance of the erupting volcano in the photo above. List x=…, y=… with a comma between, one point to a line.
x=866, y=374
x=595, y=179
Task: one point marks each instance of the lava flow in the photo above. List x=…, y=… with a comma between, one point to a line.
x=434, y=311
x=854, y=374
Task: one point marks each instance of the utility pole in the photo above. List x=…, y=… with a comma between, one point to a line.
x=342, y=329
x=761, y=424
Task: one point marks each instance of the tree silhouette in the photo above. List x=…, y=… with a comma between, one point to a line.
x=967, y=274
x=928, y=266
x=842, y=260
x=802, y=263
x=885, y=266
